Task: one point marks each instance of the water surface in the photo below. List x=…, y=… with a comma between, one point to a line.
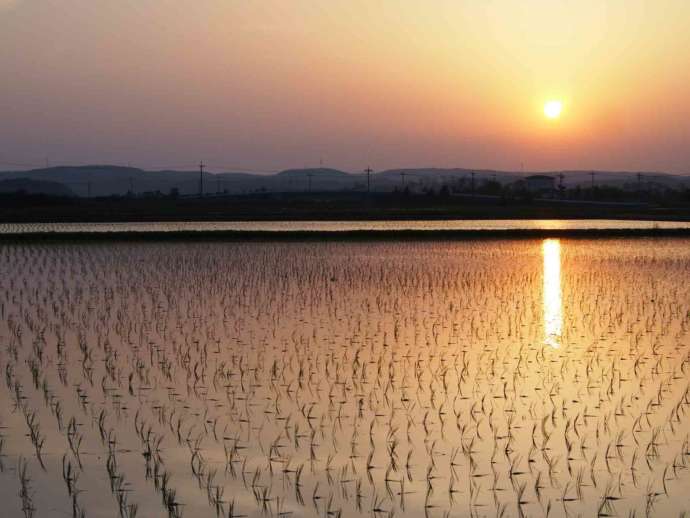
x=335, y=226
x=499, y=378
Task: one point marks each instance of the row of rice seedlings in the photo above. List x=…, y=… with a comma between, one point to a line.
x=436, y=383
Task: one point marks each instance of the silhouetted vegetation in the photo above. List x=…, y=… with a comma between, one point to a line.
x=441, y=204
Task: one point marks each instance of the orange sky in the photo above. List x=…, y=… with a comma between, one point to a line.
x=270, y=84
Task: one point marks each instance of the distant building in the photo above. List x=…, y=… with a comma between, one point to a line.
x=540, y=183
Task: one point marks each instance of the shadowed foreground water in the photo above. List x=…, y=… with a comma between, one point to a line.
x=485, y=378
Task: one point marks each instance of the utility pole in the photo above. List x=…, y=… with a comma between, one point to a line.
x=201, y=179
x=402, y=177
x=592, y=175
x=368, y=170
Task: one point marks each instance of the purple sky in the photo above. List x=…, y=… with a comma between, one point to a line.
x=274, y=84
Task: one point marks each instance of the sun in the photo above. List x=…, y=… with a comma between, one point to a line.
x=553, y=109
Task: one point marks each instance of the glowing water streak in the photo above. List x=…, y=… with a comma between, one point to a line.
x=553, y=310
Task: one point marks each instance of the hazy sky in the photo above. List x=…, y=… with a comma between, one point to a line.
x=270, y=84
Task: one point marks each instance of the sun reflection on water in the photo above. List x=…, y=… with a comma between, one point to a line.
x=553, y=313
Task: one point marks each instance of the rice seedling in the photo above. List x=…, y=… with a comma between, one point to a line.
x=441, y=386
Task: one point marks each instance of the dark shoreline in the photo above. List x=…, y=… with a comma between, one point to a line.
x=319, y=207
x=346, y=235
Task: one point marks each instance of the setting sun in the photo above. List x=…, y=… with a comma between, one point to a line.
x=553, y=109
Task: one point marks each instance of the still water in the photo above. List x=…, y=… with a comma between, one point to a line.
x=492, y=378
x=334, y=226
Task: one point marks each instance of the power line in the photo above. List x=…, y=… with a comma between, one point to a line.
x=368, y=170
x=201, y=178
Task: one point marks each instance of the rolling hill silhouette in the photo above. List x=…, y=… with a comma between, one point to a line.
x=108, y=180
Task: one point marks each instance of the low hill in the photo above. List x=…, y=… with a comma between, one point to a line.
x=318, y=171
x=107, y=180
x=27, y=186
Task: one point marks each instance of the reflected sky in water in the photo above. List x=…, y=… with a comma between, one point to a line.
x=320, y=378
x=553, y=304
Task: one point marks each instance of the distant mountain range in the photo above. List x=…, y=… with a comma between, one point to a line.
x=106, y=180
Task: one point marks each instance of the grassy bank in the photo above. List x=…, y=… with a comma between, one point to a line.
x=315, y=206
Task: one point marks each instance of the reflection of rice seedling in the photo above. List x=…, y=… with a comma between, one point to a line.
x=246, y=375
x=25, y=488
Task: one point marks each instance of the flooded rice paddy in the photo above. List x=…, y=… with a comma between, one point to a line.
x=341, y=226
x=447, y=379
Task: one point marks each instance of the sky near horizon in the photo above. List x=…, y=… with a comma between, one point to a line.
x=270, y=84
